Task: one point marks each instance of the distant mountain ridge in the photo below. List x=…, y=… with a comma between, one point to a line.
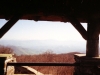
x=40, y=46
x=18, y=50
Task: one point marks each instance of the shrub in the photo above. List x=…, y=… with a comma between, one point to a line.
x=5, y=50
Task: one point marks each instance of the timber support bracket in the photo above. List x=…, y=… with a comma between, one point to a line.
x=78, y=26
x=9, y=24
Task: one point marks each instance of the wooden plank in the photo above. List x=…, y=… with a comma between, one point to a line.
x=24, y=74
x=43, y=64
x=30, y=74
x=10, y=70
x=33, y=70
x=6, y=55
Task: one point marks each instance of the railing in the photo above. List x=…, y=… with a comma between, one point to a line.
x=54, y=64
x=43, y=64
x=9, y=64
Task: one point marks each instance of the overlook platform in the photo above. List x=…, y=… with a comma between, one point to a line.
x=73, y=11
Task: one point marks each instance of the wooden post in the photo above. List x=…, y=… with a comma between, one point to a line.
x=92, y=48
x=2, y=63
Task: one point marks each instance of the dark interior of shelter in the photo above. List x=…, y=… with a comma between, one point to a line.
x=73, y=11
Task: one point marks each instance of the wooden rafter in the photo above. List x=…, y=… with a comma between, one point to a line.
x=9, y=24
x=78, y=26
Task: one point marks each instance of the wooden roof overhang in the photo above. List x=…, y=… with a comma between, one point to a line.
x=73, y=11
x=50, y=10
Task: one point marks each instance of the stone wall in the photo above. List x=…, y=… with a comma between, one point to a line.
x=88, y=65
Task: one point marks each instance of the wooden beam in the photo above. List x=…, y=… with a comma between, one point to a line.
x=92, y=49
x=78, y=26
x=43, y=64
x=9, y=24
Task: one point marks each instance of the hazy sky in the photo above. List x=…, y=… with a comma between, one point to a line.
x=41, y=30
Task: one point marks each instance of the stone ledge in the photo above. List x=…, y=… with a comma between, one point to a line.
x=84, y=56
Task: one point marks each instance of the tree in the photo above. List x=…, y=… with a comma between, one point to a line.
x=5, y=50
